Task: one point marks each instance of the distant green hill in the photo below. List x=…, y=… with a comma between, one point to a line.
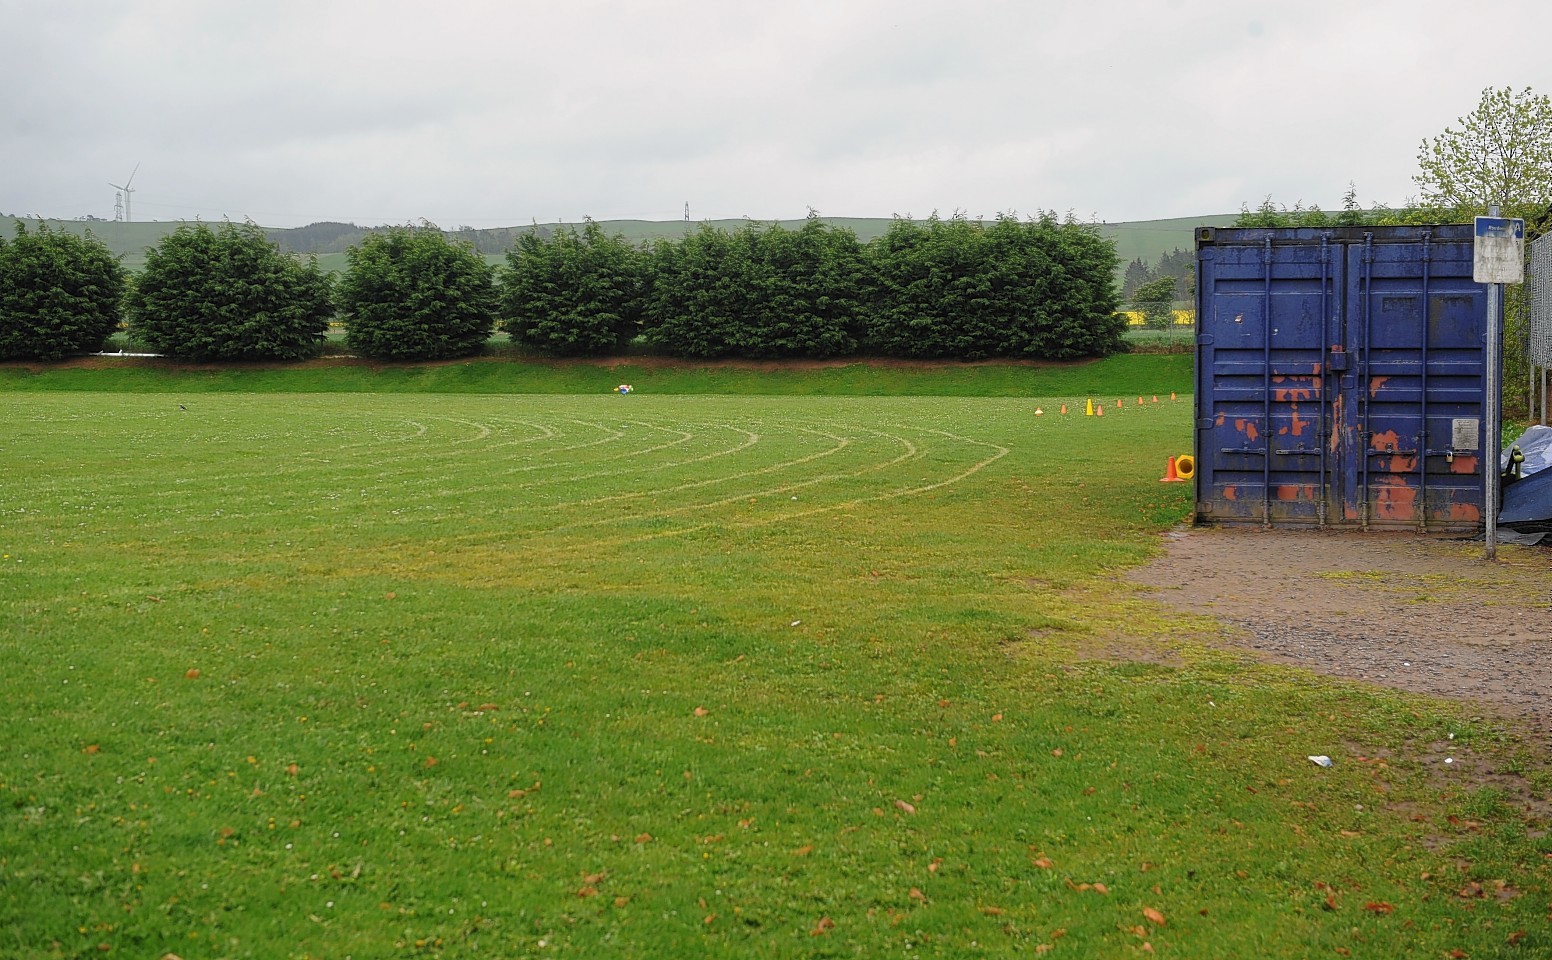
x=127, y=239
x=1147, y=239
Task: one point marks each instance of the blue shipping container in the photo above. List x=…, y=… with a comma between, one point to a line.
x=1340, y=378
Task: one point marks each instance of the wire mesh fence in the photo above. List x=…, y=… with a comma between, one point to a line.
x=1539, y=332
x=1541, y=301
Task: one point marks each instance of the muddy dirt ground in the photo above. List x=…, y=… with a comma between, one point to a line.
x=1426, y=615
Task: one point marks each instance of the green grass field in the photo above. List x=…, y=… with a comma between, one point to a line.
x=491, y=673
x=1181, y=340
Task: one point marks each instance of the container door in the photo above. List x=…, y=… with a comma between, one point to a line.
x=1270, y=325
x=1340, y=378
x=1410, y=407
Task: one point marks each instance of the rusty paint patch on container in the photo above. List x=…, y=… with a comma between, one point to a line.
x=1296, y=424
x=1465, y=512
x=1248, y=428
x=1463, y=463
x=1335, y=442
x=1385, y=441
x=1231, y=493
x=1394, y=499
x=1376, y=384
x=1299, y=388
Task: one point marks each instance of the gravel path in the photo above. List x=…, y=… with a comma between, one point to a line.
x=1426, y=615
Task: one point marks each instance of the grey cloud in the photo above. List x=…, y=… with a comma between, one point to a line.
x=487, y=112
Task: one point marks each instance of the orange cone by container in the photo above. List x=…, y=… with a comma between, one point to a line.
x=1099, y=411
x=1171, y=475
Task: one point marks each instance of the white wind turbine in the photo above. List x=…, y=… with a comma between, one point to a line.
x=126, y=190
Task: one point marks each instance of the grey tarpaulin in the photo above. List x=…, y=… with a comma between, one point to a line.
x=1527, y=502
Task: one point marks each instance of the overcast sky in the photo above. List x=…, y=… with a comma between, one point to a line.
x=502, y=113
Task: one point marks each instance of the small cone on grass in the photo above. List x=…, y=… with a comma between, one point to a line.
x=1088, y=411
x=1171, y=475
x=1099, y=411
x=1064, y=409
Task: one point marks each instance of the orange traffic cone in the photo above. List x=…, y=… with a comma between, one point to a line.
x=1139, y=401
x=1172, y=395
x=1155, y=398
x=1064, y=409
x=1099, y=411
x=1039, y=412
x=1118, y=404
x=1171, y=475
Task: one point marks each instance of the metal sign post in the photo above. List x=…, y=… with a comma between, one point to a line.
x=1490, y=413
x=1498, y=257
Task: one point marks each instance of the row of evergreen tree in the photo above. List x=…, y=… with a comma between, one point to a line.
x=955, y=288
x=330, y=236
x=1177, y=264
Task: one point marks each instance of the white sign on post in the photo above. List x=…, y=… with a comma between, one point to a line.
x=1499, y=253
x=1498, y=257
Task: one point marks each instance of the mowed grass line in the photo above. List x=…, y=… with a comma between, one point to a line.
x=326, y=675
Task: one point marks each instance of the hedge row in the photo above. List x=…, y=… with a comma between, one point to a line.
x=952, y=288
x=944, y=288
